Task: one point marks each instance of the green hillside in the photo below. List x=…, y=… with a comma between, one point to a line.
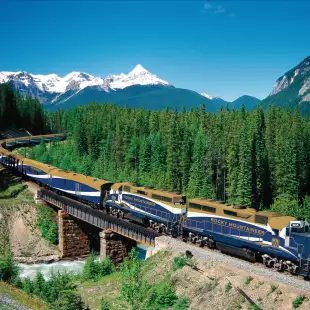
x=149, y=97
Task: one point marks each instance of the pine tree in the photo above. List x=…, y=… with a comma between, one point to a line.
x=144, y=161
x=173, y=147
x=198, y=182
x=244, y=183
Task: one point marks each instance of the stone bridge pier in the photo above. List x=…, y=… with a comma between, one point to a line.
x=73, y=239
x=116, y=246
x=77, y=238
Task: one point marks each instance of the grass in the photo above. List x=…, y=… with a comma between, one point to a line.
x=12, y=191
x=107, y=287
x=248, y=280
x=297, y=302
x=228, y=287
x=20, y=297
x=272, y=289
x=23, y=197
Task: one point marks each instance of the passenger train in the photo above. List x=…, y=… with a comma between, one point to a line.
x=278, y=241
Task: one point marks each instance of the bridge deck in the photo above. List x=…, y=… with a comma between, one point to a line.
x=99, y=218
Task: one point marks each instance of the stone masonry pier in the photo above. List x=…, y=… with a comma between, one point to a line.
x=73, y=241
x=115, y=246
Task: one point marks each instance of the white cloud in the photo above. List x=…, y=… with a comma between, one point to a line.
x=219, y=9
x=207, y=6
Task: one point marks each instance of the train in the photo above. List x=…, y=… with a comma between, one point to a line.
x=278, y=241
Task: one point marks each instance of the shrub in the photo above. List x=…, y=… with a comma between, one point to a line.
x=161, y=296
x=39, y=286
x=27, y=286
x=272, y=288
x=47, y=224
x=254, y=307
x=107, y=267
x=9, y=270
x=248, y=280
x=228, y=287
x=12, y=191
x=133, y=288
x=58, y=292
x=91, y=270
x=181, y=304
x=297, y=302
x=105, y=305
x=57, y=283
x=179, y=262
x=69, y=300
x=94, y=268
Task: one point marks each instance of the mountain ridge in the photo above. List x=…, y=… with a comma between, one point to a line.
x=292, y=89
x=80, y=88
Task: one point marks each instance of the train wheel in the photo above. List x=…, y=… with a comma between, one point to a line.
x=211, y=244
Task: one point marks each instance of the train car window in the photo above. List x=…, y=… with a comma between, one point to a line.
x=126, y=188
x=260, y=219
x=167, y=199
x=163, y=198
x=156, y=196
x=208, y=209
x=142, y=192
x=195, y=206
x=231, y=213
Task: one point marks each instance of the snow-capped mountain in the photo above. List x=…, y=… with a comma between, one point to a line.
x=292, y=89
x=138, y=88
x=206, y=96
x=49, y=88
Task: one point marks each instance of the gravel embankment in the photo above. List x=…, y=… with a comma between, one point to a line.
x=11, y=304
x=219, y=258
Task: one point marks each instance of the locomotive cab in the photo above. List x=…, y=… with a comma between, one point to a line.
x=298, y=227
x=179, y=200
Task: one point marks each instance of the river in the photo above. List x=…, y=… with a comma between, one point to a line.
x=30, y=271
x=75, y=266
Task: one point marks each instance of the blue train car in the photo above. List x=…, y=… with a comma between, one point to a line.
x=245, y=232
x=78, y=186
x=160, y=210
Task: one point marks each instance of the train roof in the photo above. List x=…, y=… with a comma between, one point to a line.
x=49, y=169
x=147, y=189
x=275, y=219
x=81, y=178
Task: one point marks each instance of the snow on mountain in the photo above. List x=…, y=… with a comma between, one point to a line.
x=138, y=76
x=45, y=86
x=206, y=96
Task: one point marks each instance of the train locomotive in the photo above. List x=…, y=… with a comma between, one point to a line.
x=278, y=241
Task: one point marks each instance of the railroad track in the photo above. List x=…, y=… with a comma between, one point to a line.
x=178, y=245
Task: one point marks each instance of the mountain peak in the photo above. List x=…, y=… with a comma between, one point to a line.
x=137, y=70
x=290, y=76
x=206, y=96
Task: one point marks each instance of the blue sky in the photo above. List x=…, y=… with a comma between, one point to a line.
x=224, y=48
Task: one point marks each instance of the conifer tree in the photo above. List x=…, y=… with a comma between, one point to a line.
x=244, y=178
x=198, y=185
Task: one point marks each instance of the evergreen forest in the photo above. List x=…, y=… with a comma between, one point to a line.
x=259, y=158
x=19, y=112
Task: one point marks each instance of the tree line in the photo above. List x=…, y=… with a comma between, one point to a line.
x=251, y=158
x=19, y=112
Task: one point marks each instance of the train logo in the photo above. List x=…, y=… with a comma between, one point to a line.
x=275, y=242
